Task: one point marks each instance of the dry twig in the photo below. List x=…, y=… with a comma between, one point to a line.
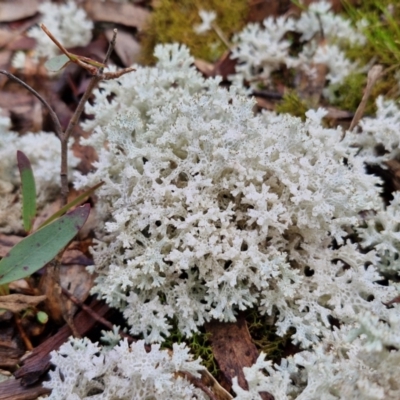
x=373, y=75
x=94, y=315
x=64, y=136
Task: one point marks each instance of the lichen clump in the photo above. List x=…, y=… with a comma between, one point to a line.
x=211, y=209
x=86, y=370
x=323, y=38
x=67, y=22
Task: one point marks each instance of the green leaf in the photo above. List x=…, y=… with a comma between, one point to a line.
x=42, y=317
x=36, y=250
x=28, y=190
x=56, y=63
x=73, y=203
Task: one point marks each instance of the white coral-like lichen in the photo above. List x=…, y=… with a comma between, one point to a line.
x=44, y=152
x=67, y=22
x=211, y=209
x=356, y=362
x=381, y=232
x=379, y=139
x=320, y=19
x=261, y=50
x=262, y=376
x=378, y=143
x=207, y=19
x=85, y=370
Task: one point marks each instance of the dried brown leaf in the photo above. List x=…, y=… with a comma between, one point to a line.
x=261, y=9
x=126, y=47
x=75, y=279
x=5, y=36
x=212, y=383
x=117, y=13
x=18, y=302
x=13, y=390
x=17, y=9
x=233, y=349
x=204, y=67
x=7, y=242
x=310, y=86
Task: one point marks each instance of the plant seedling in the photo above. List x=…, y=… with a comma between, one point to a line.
x=57, y=63
x=39, y=248
x=28, y=190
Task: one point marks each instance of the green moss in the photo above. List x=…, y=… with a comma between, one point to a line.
x=379, y=22
x=383, y=47
x=382, y=31
x=265, y=338
x=173, y=21
x=262, y=333
x=292, y=104
x=349, y=94
x=199, y=344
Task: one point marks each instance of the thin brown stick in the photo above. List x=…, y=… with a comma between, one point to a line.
x=22, y=333
x=84, y=62
x=109, y=50
x=221, y=36
x=198, y=383
x=116, y=74
x=373, y=75
x=75, y=119
x=94, y=315
x=64, y=136
x=56, y=42
x=57, y=125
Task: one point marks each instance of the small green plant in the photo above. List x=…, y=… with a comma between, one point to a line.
x=41, y=246
x=57, y=63
x=28, y=190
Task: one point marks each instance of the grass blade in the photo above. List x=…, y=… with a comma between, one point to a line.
x=28, y=190
x=79, y=200
x=36, y=250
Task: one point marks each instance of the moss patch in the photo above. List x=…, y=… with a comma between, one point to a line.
x=266, y=340
x=382, y=30
x=293, y=104
x=199, y=344
x=173, y=21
